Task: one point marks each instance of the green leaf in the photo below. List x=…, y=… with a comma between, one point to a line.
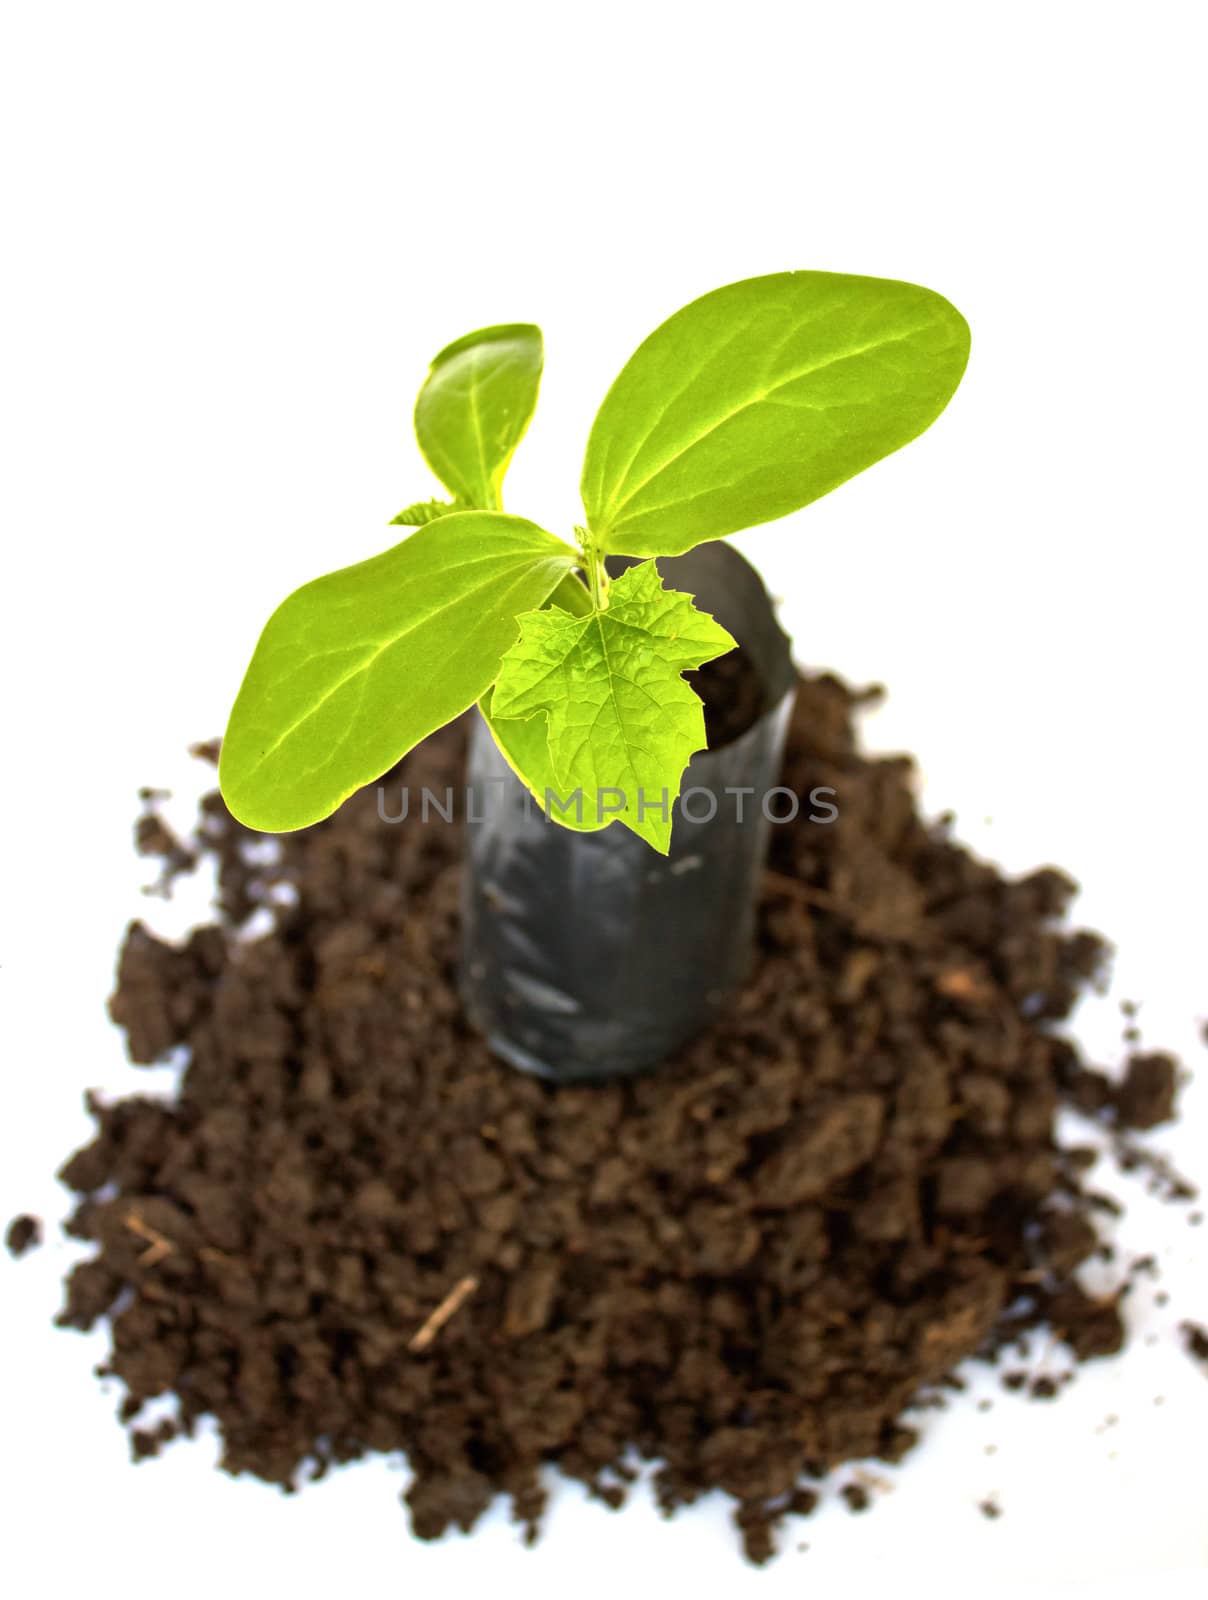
x=354, y=669
x=760, y=397
x=474, y=407
x=525, y=747
x=621, y=721
x=423, y=512
x=572, y=596
x=524, y=744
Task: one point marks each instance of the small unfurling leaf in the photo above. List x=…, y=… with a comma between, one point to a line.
x=474, y=407
x=423, y=512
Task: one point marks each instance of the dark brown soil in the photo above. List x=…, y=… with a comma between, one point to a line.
x=734, y=696
x=1147, y=1095
x=1195, y=1339
x=354, y=1231
x=23, y=1233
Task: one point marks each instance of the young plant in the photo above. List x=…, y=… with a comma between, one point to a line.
x=744, y=406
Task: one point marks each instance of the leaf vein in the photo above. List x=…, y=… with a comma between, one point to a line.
x=755, y=399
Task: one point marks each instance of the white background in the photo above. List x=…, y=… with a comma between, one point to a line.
x=235, y=233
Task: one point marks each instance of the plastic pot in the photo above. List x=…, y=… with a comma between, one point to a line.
x=589, y=955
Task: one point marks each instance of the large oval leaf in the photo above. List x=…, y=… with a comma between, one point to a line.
x=760, y=397
x=474, y=407
x=354, y=669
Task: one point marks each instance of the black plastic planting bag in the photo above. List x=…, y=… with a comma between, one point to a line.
x=589, y=955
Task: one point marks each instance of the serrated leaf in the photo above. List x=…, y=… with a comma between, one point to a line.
x=621, y=721
x=424, y=512
x=354, y=669
x=759, y=398
x=524, y=744
x=525, y=747
x=474, y=407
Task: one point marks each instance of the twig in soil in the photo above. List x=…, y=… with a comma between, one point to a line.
x=157, y=1246
x=456, y=1297
x=802, y=891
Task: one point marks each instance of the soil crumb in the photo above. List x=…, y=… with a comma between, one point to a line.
x=23, y=1233
x=1146, y=1097
x=354, y=1231
x=1195, y=1341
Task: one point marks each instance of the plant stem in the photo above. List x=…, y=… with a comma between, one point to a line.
x=597, y=575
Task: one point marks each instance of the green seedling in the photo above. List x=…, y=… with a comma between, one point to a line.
x=743, y=407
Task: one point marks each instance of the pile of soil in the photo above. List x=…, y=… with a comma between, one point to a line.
x=352, y=1230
